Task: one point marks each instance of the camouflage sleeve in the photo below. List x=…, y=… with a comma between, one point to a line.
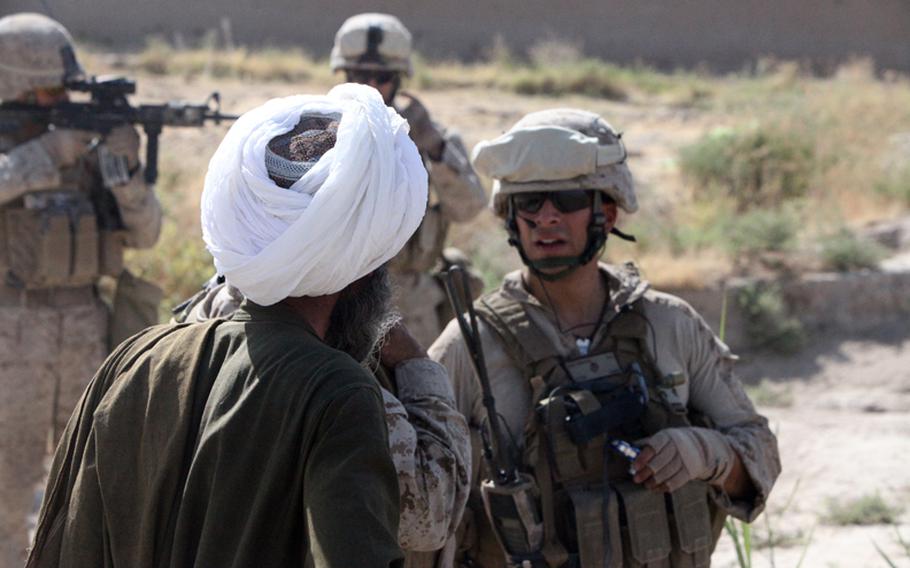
x=430, y=448
x=458, y=189
x=717, y=393
x=25, y=167
x=139, y=210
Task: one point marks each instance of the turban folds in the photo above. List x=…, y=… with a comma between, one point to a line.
x=350, y=213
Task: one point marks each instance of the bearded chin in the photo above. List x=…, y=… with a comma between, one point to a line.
x=362, y=315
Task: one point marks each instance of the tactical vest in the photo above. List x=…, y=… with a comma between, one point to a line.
x=61, y=237
x=592, y=514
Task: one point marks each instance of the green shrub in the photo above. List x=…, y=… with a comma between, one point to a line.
x=589, y=77
x=757, y=166
x=895, y=185
x=844, y=251
x=768, y=321
x=763, y=230
x=865, y=510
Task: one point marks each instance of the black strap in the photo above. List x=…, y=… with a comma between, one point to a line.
x=374, y=38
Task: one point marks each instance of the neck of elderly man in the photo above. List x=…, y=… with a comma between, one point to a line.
x=314, y=310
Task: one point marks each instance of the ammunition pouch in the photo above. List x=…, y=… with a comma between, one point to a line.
x=54, y=241
x=579, y=418
x=516, y=520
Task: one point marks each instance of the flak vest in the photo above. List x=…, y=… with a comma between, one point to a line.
x=592, y=514
x=66, y=236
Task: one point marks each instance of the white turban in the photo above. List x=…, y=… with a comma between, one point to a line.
x=353, y=211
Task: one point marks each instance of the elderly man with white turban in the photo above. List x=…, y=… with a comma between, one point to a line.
x=257, y=440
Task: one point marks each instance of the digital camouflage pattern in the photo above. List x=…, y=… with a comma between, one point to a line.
x=428, y=438
x=52, y=339
x=30, y=54
x=456, y=196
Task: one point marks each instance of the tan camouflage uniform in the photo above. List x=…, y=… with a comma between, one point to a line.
x=682, y=342
x=52, y=339
x=428, y=438
x=456, y=196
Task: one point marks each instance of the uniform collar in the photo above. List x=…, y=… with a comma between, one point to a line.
x=253, y=312
x=626, y=286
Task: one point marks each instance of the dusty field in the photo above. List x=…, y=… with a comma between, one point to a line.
x=845, y=432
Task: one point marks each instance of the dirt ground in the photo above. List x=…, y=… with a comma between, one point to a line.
x=845, y=432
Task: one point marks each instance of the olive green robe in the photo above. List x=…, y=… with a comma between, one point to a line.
x=233, y=443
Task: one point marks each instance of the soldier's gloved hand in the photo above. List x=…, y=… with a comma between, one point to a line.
x=66, y=145
x=675, y=456
x=424, y=134
x=123, y=141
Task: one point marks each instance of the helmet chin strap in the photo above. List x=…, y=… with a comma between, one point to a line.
x=597, y=239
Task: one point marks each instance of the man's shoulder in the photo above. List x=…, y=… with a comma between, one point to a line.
x=289, y=348
x=669, y=304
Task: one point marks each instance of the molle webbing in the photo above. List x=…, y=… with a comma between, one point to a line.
x=616, y=522
x=526, y=345
x=535, y=354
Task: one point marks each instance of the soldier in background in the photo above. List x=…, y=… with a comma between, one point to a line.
x=55, y=243
x=375, y=49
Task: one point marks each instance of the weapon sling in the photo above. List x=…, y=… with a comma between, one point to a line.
x=510, y=498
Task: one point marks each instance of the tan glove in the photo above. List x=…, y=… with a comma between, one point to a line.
x=424, y=134
x=123, y=141
x=684, y=454
x=66, y=145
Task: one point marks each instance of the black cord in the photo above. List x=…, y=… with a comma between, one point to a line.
x=564, y=331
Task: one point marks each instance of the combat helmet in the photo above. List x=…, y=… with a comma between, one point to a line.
x=35, y=52
x=559, y=150
x=372, y=41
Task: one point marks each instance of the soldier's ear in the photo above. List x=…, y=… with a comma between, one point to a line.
x=611, y=212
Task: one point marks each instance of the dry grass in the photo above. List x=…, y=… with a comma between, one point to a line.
x=272, y=64
x=853, y=173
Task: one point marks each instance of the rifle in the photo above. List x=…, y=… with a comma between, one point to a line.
x=509, y=498
x=109, y=108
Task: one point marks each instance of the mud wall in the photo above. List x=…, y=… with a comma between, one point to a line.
x=722, y=34
x=848, y=304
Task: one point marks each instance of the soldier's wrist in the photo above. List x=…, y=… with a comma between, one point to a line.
x=422, y=377
x=719, y=453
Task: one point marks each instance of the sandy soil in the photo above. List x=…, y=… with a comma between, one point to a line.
x=847, y=431
x=845, y=435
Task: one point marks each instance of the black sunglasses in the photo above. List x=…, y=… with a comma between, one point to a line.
x=565, y=201
x=366, y=76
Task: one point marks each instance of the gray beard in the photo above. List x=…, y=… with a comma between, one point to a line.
x=362, y=315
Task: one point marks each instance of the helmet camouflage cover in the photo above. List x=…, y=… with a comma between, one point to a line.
x=35, y=52
x=372, y=41
x=554, y=150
